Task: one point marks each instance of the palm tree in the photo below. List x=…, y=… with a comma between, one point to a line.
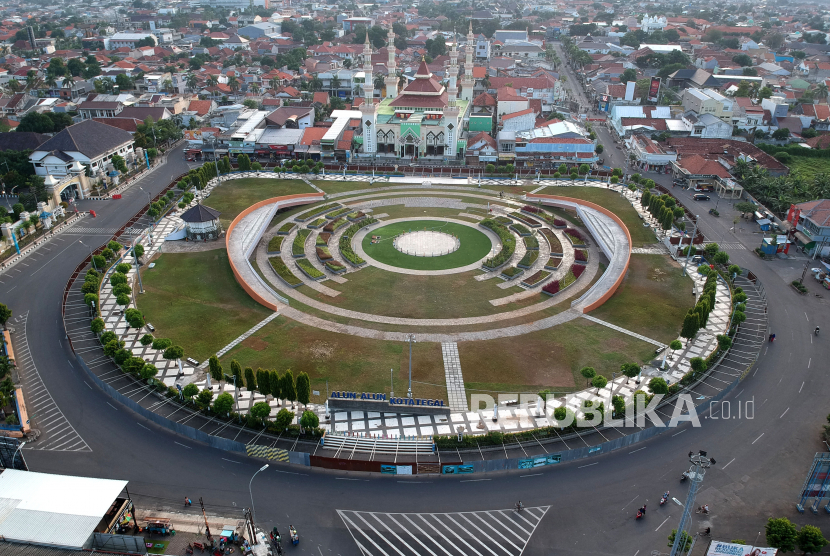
x=213, y=80
x=191, y=81
x=379, y=82
x=315, y=83
x=233, y=83
x=274, y=83
x=51, y=81
x=821, y=90
x=167, y=85
x=335, y=84
x=741, y=168
x=13, y=85
x=31, y=79
x=255, y=88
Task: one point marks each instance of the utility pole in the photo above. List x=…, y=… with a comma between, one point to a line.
x=700, y=463
x=410, y=338
x=207, y=527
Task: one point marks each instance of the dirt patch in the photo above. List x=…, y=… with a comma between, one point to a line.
x=254, y=343
x=320, y=351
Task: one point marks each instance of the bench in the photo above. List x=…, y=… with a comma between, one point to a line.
x=150, y=327
x=199, y=545
x=192, y=361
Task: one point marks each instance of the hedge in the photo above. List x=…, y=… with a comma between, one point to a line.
x=345, y=243
x=284, y=272
x=508, y=243
x=306, y=266
x=275, y=244
x=298, y=249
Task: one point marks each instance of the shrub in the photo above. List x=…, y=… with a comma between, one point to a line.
x=309, y=420
x=139, y=251
x=162, y=343
x=146, y=340
x=115, y=246
x=123, y=299
x=118, y=278
x=123, y=268
x=490, y=169
x=91, y=298
x=134, y=318
x=508, y=243
x=122, y=289
x=97, y=326
x=107, y=254
x=107, y=337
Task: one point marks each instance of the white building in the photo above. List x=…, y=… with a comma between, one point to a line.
x=652, y=24
x=129, y=40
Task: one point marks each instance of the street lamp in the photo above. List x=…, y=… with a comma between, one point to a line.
x=15, y=454
x=700, y=463
x=91, y=256
x=251, y=492
x=149, y=202
x=410, y=338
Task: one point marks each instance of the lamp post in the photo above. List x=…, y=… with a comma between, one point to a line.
x=15, y=454
x=410, y=338
x=700, y=463
x=149, y=202
x=91, y=256
x=137, y=271
x=251, y=492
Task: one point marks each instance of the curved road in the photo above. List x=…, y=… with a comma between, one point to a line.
x=761, y=461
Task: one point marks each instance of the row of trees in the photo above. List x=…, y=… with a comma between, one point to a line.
x=268, y=383
x=662, y=207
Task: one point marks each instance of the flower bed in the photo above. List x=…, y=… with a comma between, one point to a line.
x=286, y=228
x=320, y=242
x=553, y=263
x=578, y=270
x=532, y=222
x=508, y=243
x=512, y=272
x=532, y=210
x=558, y=285
x=336, y=267
x=317, y=223
x=552, y=288
x=575, y=237
x=338, y=213
x=355, y=216
x=345, y=243
x=568, y=279
x=324, y=254
x=519, y=229
x=335, y=225
x=559, y=223
x=275, y=244
x=531, y=243
x=581, y=256
x=528, y=260
x=298, y=249
x=319, y=211
x=325, y=237
x=309, y=270
x=284, y=272
x=503, y=220
x=536, y=278
x=553, y=241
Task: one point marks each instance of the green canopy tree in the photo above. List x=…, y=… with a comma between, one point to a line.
x=250, y=379
x=588, y=373
x=599, y=382
x=275, y=382
x=260, y=411
x=810, y=540
x=215, y=368
x=223, y=403
x=657, y=385
x=263, y=382
x=236, y=371
x=287, y=387
x=630, y=370
x=781, y=534
x=284, y=418
x=303, y=389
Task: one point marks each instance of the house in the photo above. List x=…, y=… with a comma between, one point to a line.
x=697, y=170
x=259, y=30
x=649, y=155
x=291, y=117
x=519, y=121
x=481, y=115
x=509, y=102
x=696, y=78
x=816, y=116
x=708, y=101
x=482, y=148
x=811, y=221
x=21, y=140
x=706, y=126
x=128, y=40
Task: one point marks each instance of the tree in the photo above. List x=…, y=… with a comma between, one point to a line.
x=781, y=534
x=97, y=326
x=204, y=398
x=223, y=403
x=244, y=163
x=690, y=325
x=250, y=379
x=263, y=382
x=5, y=314
x=215, y=368
x=742, y=60
x=584, y=169
x=275, y=383
x=236, y=372
x=309, y=420
x=685, y=540
x=781, y=134
x=284, y=418
x=698, y=364
x=628, y=75
x=260, y=411
x=173, y=353
x=810, y=540
x=724, y=341
x=287, y=388
x=303, y=389
x=657, y=385
x=599, y=382
x=765, y=92
x=630, y=370
x=588, y=373
x=190, y=390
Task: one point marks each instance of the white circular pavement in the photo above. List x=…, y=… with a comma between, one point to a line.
x=426, y=243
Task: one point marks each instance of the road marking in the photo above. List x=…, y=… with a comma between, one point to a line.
x=638, y=449
x=143, y=427
x=806, y=317
x=534, y=475
x=415, y=482
x=230, y=460
x=808, y=362
x=727, y=465
x=785, y=412
x=633, y=499
x=112, y=406
x=802, y=386
x=589, y=465
x=664, y=522
x=757, y=439
x=474, y=480
x=180, y=444
x=681, y=432
x=345, y=479
x=90, y=387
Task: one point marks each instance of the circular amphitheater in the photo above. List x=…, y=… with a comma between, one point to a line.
x=426, y=243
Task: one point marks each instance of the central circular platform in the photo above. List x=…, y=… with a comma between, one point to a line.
x=439, y=246
x=426, y=243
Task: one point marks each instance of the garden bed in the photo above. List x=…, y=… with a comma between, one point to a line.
x=275, y=245
x=325, y=237
x=532, y=222
x=335, y=225
x=286, y=228
x=338, y=213
x=581, y=256
x=309, y=270
x=345, y=243
x=324, y=254
x=521, y=230
x=298, y=248
x=503, y=220
x=557, y=286
x=512, y=273
x=336, y=267
x=531, y=243
x=553, y=263
x=319, y=241
x=355, y=216
x=553, y=241
x=537, y=277
x=317, y=223
x=508, y=244
x=575, y=237
x=319, y=211
x=528, y=260
x=284, y=272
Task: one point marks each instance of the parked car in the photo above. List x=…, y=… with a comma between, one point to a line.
x=701, y=197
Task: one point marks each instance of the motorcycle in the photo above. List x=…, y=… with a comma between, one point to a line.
x=295, y=538
x=665, y=498
x=640, y=513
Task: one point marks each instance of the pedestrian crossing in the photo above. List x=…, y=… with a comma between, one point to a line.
x=87, y=230
x=56, y=433
x=484, y=533
x=733, y=246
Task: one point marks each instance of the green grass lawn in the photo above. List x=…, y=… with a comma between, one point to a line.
x=232, y=197
x=475, y=245
x=548, y=358
x=380, y=292
x=652, y=300
x=345, y=362
x=614, y=202
x=193, y=299
x=808, y=167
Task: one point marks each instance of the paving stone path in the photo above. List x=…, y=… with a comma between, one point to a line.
x=455, y=380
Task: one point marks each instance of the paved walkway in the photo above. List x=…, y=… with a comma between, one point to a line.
x=456, y=394
x=241, y=338
x=623, y=330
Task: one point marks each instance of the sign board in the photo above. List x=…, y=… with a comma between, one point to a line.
x=539, y=462
x=357, y=396
x=654, y=88
x=456, y=469
x=720, y=548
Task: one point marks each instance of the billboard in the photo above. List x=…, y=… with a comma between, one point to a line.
x=654, y=89
x=719, y=548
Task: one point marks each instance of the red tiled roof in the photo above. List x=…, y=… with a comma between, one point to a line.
x=127, y=124
x=484, y=99
x=483, y=136
x=345, y=143
x=201, y=107
x=508, y=94
x=696, y=165
x=657, y=123
x=418, y=101
x=479, y=72
x=313, y=135
x=517, y=114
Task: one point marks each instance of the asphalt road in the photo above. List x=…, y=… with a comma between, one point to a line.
x=761, y=461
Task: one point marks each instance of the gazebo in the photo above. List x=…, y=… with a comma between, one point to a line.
x=202, y=222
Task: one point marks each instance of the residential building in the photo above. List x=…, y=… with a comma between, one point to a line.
x=708, y=101
x=811, y=221
x=649, y=155
x=129, y=40
x=706, y=126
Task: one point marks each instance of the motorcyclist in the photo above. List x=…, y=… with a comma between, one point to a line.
x=666, y=496
x=643, y=510
x=816, y=330
x=519, y=506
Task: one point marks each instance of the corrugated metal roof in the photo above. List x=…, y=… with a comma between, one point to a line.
x=32, y=550
x=57, y=510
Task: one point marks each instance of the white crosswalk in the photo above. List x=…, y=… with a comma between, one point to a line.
x=485, y=533
x=87, y=230
x=734, y=246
